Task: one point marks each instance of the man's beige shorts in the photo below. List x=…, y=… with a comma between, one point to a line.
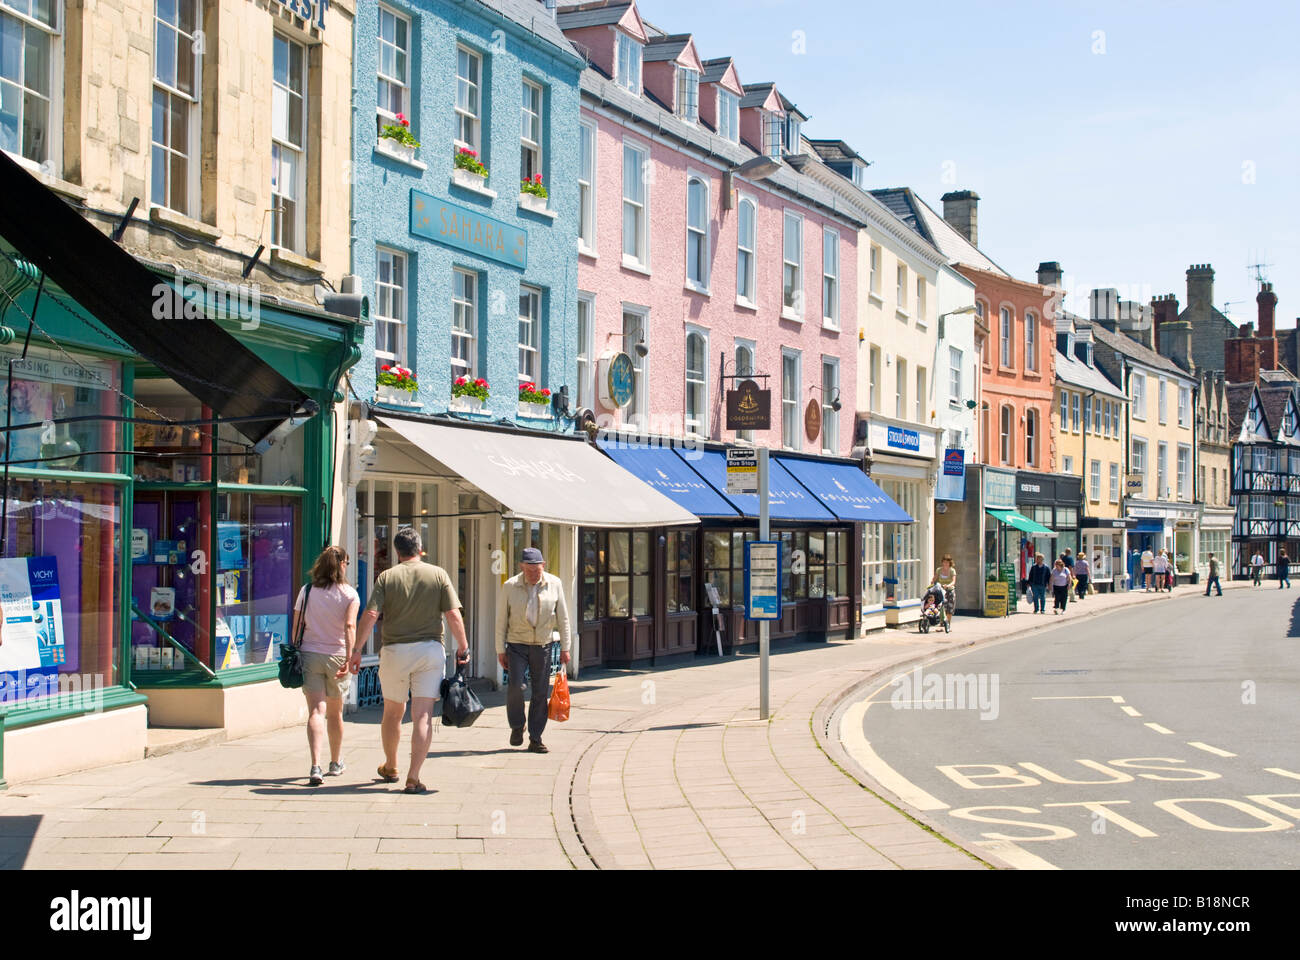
x=412, y=668
x=318, y=670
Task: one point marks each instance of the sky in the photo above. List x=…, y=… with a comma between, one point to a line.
x=1125, y=140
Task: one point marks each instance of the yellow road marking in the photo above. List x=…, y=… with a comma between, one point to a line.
x=1158, y=729
x=1018, y=857
x=1111, y=699
x=855, y=742
x=1130, y=711
x=1209, y=749
x=1283, y=773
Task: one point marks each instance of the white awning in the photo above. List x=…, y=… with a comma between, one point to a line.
x=548, y=479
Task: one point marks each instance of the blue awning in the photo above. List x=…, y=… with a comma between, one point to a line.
x=787, y=498
x=846, y=491
x=662, y=469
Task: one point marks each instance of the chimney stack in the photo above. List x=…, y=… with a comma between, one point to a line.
x=1049, y=273
x=1173, y=337
x=1241, y=356
x=1266, y=299
x=1104, y=307
x=960, y=208
x=1200, y=289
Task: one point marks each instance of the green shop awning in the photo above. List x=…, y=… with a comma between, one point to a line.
x=1020, y=522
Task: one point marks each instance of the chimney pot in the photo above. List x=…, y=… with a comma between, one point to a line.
x=960, y=209
x=1049, y=273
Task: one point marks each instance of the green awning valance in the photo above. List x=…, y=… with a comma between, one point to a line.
x=1020, y=522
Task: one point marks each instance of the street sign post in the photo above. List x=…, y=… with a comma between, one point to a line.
x=764, y=626
x=742, y=470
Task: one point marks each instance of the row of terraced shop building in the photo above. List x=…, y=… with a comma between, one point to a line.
x=229, y=228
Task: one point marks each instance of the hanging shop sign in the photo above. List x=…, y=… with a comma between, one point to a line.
x=468, y=230
x=1134, y=481
x=33, y=648
x=749, y=407
x=812, y=421
x=999, y=489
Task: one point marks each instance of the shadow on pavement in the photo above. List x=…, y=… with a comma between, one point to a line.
x=16, y=834
x=1294, y=628
x=298, y=787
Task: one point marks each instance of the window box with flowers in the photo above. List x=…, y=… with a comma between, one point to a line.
x=396, y=140
x=468, y=396
x=532, y=195
x=468, y=171
x=396, y=385
x=533, y=402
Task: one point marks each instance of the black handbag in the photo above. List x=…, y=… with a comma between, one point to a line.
x=460, y=707
x=290, y=664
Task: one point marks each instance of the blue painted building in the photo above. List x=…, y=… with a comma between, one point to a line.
x=467, y=276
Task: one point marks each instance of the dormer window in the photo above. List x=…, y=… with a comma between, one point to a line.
x=790, y=134
x=629, y=64
x=688, y=95
x=773, y=130
x=728, y=116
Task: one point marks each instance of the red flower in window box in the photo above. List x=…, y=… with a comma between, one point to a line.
x=465, y=387
x=528, y=393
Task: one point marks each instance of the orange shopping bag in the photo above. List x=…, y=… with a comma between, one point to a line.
x=559, y=706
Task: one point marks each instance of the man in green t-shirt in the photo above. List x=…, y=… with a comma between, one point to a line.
x=414, y=597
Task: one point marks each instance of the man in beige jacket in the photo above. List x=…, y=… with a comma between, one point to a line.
x=529, y=609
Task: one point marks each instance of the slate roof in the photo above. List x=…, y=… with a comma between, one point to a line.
x=594, y=85
x=935, y=229
x=832, y=150
x=1273, y=400
x=755, y=94
x=1238, y=406
x=665, y=48
x=573, y=17
x=1075, y=372
x=1108, y=341
x=533, y=16
x=715, y=69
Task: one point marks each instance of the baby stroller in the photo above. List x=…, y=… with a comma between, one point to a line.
x=934, y=610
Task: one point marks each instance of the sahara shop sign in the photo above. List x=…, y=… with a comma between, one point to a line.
x=468, y=230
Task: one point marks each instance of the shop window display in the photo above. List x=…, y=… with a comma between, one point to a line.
x=59, y=582
x=170, y=531
x=680, y=581
x=258, y=558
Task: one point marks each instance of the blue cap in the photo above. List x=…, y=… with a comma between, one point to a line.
x=532, y=555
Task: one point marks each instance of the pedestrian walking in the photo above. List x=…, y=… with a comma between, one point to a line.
x=1214, y=577
x=946, y=577
x=1040, y=575
x=1256, y=568
x=1082, y=571
x=530, y=608
x=1060, y=586
x=1148, y=569
x=1283, y=570
x=413, y=597
x=1169, y=571
x=1159, y=564
x=325, y=618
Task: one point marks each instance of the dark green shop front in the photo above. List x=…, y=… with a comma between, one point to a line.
x=178, y=548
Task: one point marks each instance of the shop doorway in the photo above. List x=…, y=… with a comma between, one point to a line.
x=467, y=584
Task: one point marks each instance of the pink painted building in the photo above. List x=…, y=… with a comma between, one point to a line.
x=696, y=268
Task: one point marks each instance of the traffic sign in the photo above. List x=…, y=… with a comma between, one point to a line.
x=763, y=580
x=742, y=470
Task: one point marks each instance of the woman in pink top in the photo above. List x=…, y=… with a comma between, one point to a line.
x=326, y=613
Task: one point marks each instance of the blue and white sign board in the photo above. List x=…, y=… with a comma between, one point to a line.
x=468, y=230
x=952, y=480
x=763, y=580
x=742, y=470
x=888, y=438
x=33, y=648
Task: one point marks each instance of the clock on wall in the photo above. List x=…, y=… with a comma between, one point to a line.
x=617, y=379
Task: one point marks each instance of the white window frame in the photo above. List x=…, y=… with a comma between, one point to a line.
x=465, y=115
x=900, y=292
x=1162, y=463
x=1094, y=481
x=1182, y=470
x=278, y=147
x=793, y=311
x=698, y=425
x=637, y=411
x=1031, y=342
x=1138, y=460
x=920, y=394
x=1184, y=405
x=752, y=347
x=1074, y=412
x=1114, y=483
x=533, y=344
x=470, y=308
x=53, y=142
x=790, y=407
x=1162, y=403
x=773, y=133
x=728, y=116
x=955, y=358
x=751, y=276
x=1006, y=434
x=1138, y=395
x=830, y=278
x=193, y=119
x=642, y=206
x=687, y=107
x=527, y=146
x=1087, y=413
x=700, y=233
x=585, y=354
x=900, y=388
x=873, y=262
x=587, y=221
x=875, y=375
x=628, y=75
x=401, y=84
x=1032, y=425
x=830, y=418
x=1006, y=338
x=1064, y=412
x=399, y=297
x=920, y=301
x=1067, y=465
